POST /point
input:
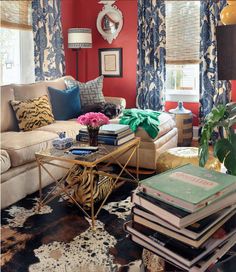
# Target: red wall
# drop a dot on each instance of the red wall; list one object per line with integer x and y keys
{"x": 69, "y": 16}
{"x": 83, "y": 13}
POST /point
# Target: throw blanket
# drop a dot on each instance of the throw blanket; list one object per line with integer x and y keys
{"x": 147, "y": 119}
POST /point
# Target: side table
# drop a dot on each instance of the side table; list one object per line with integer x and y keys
{"x": 184, "y": 123}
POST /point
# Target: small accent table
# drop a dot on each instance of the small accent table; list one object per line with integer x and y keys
{"x": 91, "y": 166}
{"x": 184, "y": 123}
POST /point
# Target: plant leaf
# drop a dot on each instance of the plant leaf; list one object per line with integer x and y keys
{"x": 217, "y": 113}
{"x": 203, "y": 154}
{"x": 230, "y": 163}
{"x": 226, "y": 153}
{"x": 233, "y": 139}
{"x": 221, "y": 148}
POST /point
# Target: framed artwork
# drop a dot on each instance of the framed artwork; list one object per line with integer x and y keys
{"x": 110, "y": 62}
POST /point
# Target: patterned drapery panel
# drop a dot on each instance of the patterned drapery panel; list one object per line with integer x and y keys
{"x": 49, "y": 54}
{"x": 151, "y": 54}
{"x": 212, "y": 90}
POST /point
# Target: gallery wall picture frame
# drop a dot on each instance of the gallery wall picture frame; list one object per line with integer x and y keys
{"x": 110, "y": 62}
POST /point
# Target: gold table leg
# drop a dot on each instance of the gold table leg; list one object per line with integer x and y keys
{"x": 91, "y": 177}
{"x": 40, "y": 185}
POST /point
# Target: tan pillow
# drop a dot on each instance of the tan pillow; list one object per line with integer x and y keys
{"x": 33, "y": 113}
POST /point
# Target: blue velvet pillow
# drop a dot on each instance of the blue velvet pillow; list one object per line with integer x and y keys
{"x": 65, "y": 104}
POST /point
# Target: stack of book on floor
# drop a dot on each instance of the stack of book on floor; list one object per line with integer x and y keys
{"x": 186, "y": 215}
{"x": 111, "y": 134}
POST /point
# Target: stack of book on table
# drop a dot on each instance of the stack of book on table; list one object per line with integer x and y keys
{"x": 186, "y": 215}
{"x": 111, "y": 134}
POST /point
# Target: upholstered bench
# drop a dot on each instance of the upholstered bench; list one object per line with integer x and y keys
{"x": 150, "y": 149}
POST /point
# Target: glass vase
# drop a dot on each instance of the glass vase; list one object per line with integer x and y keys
{"x": 93, "y": 136}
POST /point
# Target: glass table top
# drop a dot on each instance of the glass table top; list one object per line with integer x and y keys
{"x": 104, "y": 152}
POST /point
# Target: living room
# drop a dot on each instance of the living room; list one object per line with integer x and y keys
{"x": 165, "y": 69}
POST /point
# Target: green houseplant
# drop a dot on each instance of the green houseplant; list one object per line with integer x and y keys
{"x": 224, "y": 148}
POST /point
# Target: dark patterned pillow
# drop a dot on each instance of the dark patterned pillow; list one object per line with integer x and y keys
{"x": 90, "y": 92}
{"x": 109, "y": 109}
{"x": 33, "y": 113}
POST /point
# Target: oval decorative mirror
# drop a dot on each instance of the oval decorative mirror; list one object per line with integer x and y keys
{"x": 109, "y": 21}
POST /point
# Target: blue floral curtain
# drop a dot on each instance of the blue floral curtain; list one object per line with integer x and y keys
{"x": 49, "y": 54}
{"x": 151, "y": 69}
{"x": 212, "y": 90}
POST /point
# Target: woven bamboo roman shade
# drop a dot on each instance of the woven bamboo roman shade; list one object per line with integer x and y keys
{"x": 16, "y": 14}
{"x": 182, "y": 32}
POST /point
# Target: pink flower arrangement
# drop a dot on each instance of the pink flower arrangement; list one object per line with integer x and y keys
{"x": 93, "y": 119}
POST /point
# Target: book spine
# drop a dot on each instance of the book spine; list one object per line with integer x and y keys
{"x": 100, "y": 136}
{"x": 108, "y": 132}
{"x": 108, "y": 135}
{"x": 155, "y": 209}
{"x": 108, "y": 141}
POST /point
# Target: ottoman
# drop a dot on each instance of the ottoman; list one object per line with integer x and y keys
{"x": 178, "y": 156}
{"x": 150, "y": 149}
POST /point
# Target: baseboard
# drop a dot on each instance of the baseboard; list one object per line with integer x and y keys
{"x": 195, "y": 133}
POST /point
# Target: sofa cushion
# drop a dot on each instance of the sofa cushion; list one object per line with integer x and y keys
{"x": 15, "y": 171}
{"x": 5, "y": 161}
{"x": 8, "y": 118}
{"x": 167, "y": 123}
{"x": 21, "y": 146}
{"x": 71, "y": 127}
{"x": 90, "y": 92}
{"x": 30, "y": 91}
{"x": 65, "y": 104}
{"x": 33, "y": 113}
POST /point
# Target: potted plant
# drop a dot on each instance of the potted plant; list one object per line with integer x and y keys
{"x": 221, "y": 116}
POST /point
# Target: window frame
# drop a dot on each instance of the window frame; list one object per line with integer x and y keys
{"x": 26, "y": 68}
{"x": 178, "y": 94}
{"x": 183, "y": 95}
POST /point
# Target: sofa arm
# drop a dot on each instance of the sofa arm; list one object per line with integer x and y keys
{"x": 5, "y": 161}
{"x": 116, "y": 100}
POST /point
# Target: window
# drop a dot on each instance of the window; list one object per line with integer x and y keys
{"x": 182, "y": 50}
{"x": 16, "y": 43}
{"x": 16, "y": 56}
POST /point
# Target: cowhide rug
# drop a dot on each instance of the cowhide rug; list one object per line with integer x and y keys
{"x": 60, "y": 239}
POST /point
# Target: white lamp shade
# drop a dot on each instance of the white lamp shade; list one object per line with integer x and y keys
{"x": 79, "y": 38}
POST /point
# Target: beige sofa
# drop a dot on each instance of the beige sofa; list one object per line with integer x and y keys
{"x": 19, "y": 173}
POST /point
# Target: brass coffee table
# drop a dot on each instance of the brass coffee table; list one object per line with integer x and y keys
{"x": 92, "y": 164}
